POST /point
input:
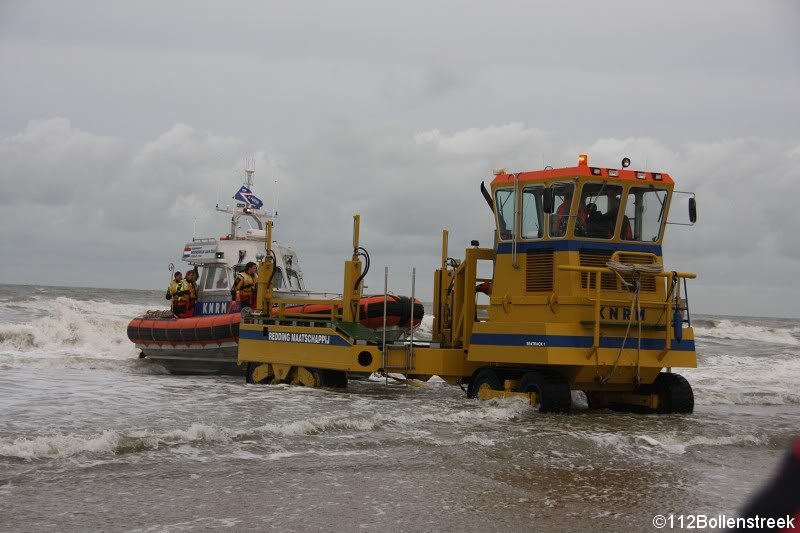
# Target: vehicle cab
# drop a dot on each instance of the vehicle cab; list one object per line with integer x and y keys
{"x": 580, "y": 216}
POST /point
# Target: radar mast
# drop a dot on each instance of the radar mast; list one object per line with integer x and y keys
{"x": 243, "y": 209}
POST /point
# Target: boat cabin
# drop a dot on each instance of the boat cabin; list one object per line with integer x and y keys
{"x": 219, "y": 260}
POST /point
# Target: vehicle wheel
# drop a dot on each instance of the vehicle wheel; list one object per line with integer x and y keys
{"x": 336, "y": 379}
{"x": 552, "y": 389}
{"x": 595, "y": 400}
{"x": 674, "y": 393}
{"x": 248, "y": 376}
{"x": 486, "y": 377}
{"x": 310, "y": 377}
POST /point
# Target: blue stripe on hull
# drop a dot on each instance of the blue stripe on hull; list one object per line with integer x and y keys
{"x": 574, "y": 341}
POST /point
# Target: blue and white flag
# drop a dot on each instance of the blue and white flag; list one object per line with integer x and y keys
{"x": 246, "y": 195}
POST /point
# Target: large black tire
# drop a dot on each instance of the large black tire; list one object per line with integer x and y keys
{"x": 674, "y": 393}
{"x": 335, "y": 379}
{"x": 594, "y": 400}
{"x": 552, "y": 389}
{"x": 485, "y": 376}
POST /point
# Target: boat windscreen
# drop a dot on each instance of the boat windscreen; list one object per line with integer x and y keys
{"x": 216, "y": 279}
{"x": 277, "y": 280}
{"x": 294, "y": 280}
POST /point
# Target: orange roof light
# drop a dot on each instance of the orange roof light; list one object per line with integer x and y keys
{"x": 583, "y": 160}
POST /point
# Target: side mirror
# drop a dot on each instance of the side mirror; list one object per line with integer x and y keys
{"x": 475, "y": 243}
{"x": 547, "y": 201}
{"x": 692, "y": 210}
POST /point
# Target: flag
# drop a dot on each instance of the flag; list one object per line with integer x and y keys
{"x": 246, "y": 195}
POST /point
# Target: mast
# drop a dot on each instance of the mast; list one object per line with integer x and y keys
{"x": 241, "y": 209}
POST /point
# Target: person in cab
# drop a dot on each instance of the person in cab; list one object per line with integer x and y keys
{"x": 560, "y": 218}
{"x": 244, "y": 286}
{"x": 611, "y": 216}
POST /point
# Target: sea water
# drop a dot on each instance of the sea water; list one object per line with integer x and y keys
{"x": 94, "y": 438}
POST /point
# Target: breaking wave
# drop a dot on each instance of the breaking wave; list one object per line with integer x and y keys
{"x": 740, "y": 330}
{"x": 112, "y": 442}
{"x": 69, "y": 333}
{"x": 109, "y": 442}
{"x": 746, "y": 380}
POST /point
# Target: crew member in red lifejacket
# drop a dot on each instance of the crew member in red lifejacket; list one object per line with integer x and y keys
{"x": 560, "y": 219}
{"x": 180, "y": 300}
{"x": 244, "y": 286}
{"x": 190, "y": 284}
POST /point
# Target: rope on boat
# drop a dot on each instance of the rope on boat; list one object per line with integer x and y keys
{"x": 150, "y": 315}
{"x": 635, "y": 271}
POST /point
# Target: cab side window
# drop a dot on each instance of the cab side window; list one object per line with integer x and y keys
{"x": 504, "y": 205}
{"x": 644, "y": 214}
{"x": 532, "y": 220}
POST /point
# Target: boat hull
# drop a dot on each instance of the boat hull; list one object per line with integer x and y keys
{"x": 217, "y": 360}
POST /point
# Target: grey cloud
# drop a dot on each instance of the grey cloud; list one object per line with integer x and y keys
{"x": 397, "y": 111}
{"x": 407, "y": 185}
{"x": 672, "y": 70}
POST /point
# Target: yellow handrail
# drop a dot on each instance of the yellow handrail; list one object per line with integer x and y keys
{"x": 598, "y": 272}
{"x": 301, "y": 301}
{"x": 606, "y": 270}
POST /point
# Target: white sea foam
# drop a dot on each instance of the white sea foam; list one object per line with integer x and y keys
{"x": 493, "y": 410}
{"x": 425, "y": 329}
{"x": 198, "y": 432}
{"x": 746, "y": 380}
{"x": 130, "y": 364}
{"x": 477, "y": 439}
{"x": 111, "y": 442}
{"x": 70, "y": 334}
{"x": 739, "y": 330}
{"x": 58, "y": 445}
{"x": 666, "y": 443}
{"x": 203, "y": 523}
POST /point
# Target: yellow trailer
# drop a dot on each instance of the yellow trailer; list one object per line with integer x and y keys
{"x": 578, "y": 299}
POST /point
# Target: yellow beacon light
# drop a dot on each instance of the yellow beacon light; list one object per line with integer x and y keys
{"x": 583, "y": 160}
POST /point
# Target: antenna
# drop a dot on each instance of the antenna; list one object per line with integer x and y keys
{"x": 249, "y": 169}
{"x": 274, "y": 191}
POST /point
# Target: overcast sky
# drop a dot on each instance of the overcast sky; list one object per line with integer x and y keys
{"x": 122, "y": 123}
